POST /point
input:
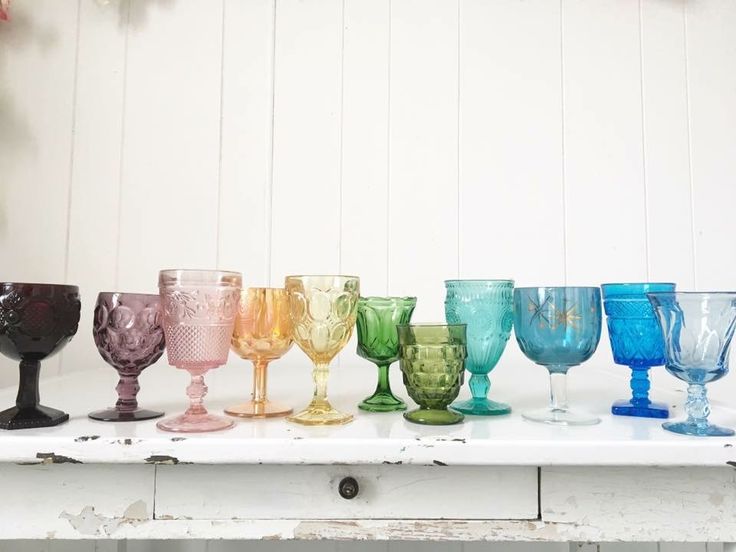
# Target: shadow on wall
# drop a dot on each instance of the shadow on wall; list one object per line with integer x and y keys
{"x": 16, "y": 139}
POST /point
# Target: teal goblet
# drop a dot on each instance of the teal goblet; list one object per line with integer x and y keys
{"x": 487, "y": 308}
{"x": 378, "y": 342}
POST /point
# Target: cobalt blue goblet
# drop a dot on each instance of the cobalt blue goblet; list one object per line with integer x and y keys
{"x": 636, "y": 342}
{"x": 558, "y": 327}
{"x": 697, "y": 330}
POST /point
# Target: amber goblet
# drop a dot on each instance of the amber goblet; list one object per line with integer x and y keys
{"x": 262, "y": 333}
{"x": 36, "y": 321}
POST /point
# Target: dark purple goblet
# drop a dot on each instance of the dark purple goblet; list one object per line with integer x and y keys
{"x": 129, "y": 336}
{"x": 36, "y": 321}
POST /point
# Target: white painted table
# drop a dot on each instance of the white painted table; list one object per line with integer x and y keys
{"x": 498, "y": 479}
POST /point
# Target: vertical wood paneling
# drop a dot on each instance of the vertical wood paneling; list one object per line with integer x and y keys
{"x": 666, "y": 149}
{"x": 247, "y": 116}
{"x": 511, "y": 189}
{"x": 305, "y": 225}
{"x": 365, "y": 153}
{"x": 169, "y": 198}
{"x": 604, "y": 184}
{"x": 37, "y": 67}
{"x": 423, "y": 169}
{"x": 93, "y": 218}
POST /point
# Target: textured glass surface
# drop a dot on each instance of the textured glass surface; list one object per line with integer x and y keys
{"x": 558, "y": 327}
{"x": 322, "y": 311}
{"x": 378, "y": 341}
{"x": 128, "y": 333}
{"x": 636, "y": 341}
{"x": 487, "y": 308}
{"x": 262, "y": 333}
{"x": 433, "y": 366}
{"x": 199, "y": 308}
{"x": 697, "y": 330}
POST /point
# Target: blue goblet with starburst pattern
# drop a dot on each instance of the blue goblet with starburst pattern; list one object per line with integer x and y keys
{"x": 558, "y": 327}
{"x": 636, "y": 342}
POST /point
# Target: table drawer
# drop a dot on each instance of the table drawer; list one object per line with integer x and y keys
{"x": 227, "y": 492}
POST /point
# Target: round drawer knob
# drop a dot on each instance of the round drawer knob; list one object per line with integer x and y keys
{"x": 348, "y": 488}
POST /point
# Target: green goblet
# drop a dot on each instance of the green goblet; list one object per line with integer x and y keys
{"x": 379, "y": 343}
{"x": 433, "y": 364}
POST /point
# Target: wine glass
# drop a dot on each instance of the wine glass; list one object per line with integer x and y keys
{"x": 697, "y": 330}
{"x": 558, "y": 327}
{"x": 262, "y": 333}
{"x": 128, "y": 333}
{"x": 433, "y": 365}
{"x": 322, "y": 310}
{"x": 36, "y": 322}
{"x": 199, "y": 309}
{"x": 487, "y": 307}
{"x": 636, "y": 342}
{"x": 378, "y": 342}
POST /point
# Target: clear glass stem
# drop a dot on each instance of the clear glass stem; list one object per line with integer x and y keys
{"x": 260, "y": 379}
{"x": 558, "y": 388}
{"x": 196, "y": 392}
{"x": 640, "y": 385}
{"x": 479, "y": 384}
{"x": 697, "y": 405}
{"x": 127, "y": 389}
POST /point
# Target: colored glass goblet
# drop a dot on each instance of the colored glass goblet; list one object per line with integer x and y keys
{"x": 199, "y": 308}
{"x": 558, "y": 327}
{"x": 36, "y": 321}
{"x": 128, "y": 333}
{"x": 487, "y": 308}
{"x": 322, "y": 311}
{"x": 433, "y": 364}
{"x": 636, "y": 342}
{"x": 697, "y": 330}
{"x": 262, "y": 333}
{"x": 378, "y": 342}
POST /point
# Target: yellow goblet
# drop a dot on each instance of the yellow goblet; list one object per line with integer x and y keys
{"x": 323, "y": 310}
{"x": 262, "y": 333}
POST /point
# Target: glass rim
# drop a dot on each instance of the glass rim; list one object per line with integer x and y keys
{"x": 40, "y": 284}
{"x": 529, "y": 288}
{"x": 693, "y": 293}
{"x": 431, "y": 325}
{"x": 101, "y": 293}
{"x": 626, "y": 284}
{"x": 263, "y": 288}
{"x": 455, "y": 281}
{"x": 388, "y": 298}
{"x": 298, "y": 276}
{"x": 225, "y": 278}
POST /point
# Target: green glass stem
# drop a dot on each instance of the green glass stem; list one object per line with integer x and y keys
{"x": 383, "y": 399}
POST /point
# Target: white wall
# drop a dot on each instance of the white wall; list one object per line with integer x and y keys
{"x": 406, "y": 141}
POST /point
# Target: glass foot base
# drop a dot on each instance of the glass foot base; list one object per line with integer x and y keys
{"x": 260, "y": 409}
{"x": 191, "y": 423}
{"x": 431, "y": 416}
{"x": 114, "y": 415}
{"x": 560, "y": 417}
{"x": 649, "y": 410}
{"x": 30, "y": 417}
{"x": 382, "y": 402}
{"x": 481, "y": 407}
{"x": 690, "y": 428}
{"x": 320, "y": 413}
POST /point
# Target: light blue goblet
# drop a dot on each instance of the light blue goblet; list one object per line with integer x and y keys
{"x": 558, "y": 327}
{"x": 697, "y": 330}
{"x": 487, "y": 308}
{"x": 636, "y": 342}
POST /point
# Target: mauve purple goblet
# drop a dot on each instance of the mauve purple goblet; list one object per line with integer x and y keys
{"x": 129, "y": 336}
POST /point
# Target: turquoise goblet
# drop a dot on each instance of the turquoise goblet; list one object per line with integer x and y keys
{"x": 487, "y": 308}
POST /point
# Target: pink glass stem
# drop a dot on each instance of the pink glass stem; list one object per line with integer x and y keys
{"x": 127, "y": 389}
{"x": 196, "y": 392}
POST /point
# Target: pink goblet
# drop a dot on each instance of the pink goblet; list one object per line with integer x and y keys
{"x": 199, "y": 308}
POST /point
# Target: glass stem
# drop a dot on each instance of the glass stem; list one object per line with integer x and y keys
{"x": 384, "y": 384}
{"x": 28, "y": 387}
{"x": 196, "y": 392}
{"x": 260, "y": 367}
{"x": 558, "y": 389}
{"x": 479, "y": 384}
{"x": 127, "y": 389}
{"x": 697, "y": 406}
{"x": 640, "y": 385}
{"x": 320, "y": 374}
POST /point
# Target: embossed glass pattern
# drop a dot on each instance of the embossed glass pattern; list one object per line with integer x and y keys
{"x": 487, "y": 308}
{"x": 432, "y": 359}
{"x": 128, "y": 333}
{"x": 558, "y": 327}
{"x": 199, "y": 308}
{"x": 262, "y": 333}
{"x": 378, "y": 342}
{"x": 322, "y": 311}
{"x": 36, "y": 322}
{"x": 697, "y": 330}
{"x": 636, "y": 342}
